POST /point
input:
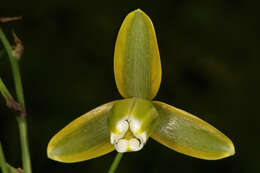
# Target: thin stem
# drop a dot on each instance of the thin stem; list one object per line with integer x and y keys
{"x": 20, "y": 97}
{"x": 11, "y": 169}
{"x": 15, "y": 68}
{"x": 115, "y": 163}
{"x": 24, "y": 145}
{"x": 4, "y": 91}
{"x": 2, "y": 160}
{"x": 5, "y": 167}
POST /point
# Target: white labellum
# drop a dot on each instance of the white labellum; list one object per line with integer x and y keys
{"x": 134, "y": 144}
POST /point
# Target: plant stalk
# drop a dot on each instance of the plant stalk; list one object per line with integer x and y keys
{"x": 20, "y": 98}
{"x": 5, "y": 167}
{"x": 115, "y": 163}
{"x": 3, "y": 164}
{"x": 4, "y": 91}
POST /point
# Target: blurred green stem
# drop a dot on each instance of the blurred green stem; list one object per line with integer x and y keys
{"x": 20, "y": 98}
{"x": 2, "y": 160}
{"x": 4, "y": 91}
{"x": 11, "y": 169}
{"x": 15, "y": 68}
{"x": 5, "y": 167}
{"x": 115, "y": 163}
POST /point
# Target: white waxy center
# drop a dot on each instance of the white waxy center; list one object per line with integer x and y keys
{"x": 135, "y": 124}
{"x": 122, "y": 126}
{"x": 133, "y": 144}
{"x": 122, "y": 145}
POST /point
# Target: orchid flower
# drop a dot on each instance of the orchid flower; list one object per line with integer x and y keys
{"x": 125, "y": 125}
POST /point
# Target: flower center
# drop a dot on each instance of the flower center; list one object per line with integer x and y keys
{"x": 131, "y": 122}
{"x": 129, "y": 136}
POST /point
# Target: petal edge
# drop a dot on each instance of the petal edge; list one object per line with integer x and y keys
{"x": 84, "y": 138}
{"x": 187, "y": 134}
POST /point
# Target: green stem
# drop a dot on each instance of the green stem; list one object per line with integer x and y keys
{"x": 24, "y": 145}
{"x": 15, "y": 68}
{"x": 5, "y": 167}
{"x": 4, "y": 91}
{"x": 11, "y": 169}
{"x": 2, "y": 160}
{"x": 20, "y": 97}
{"x": 115, "y": 163}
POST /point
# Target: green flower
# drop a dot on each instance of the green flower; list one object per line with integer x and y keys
{"x": 126, "y": 125}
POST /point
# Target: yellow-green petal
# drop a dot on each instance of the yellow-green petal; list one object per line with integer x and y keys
{"x": 187, "y": 134}
{"x": 137, "y": 64}
{"x": 84, "y": 138}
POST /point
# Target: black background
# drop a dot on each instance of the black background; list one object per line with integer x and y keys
{"x": 209, "y": 54}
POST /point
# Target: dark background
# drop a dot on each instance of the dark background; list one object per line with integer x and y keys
{"x": 209, "y": 54}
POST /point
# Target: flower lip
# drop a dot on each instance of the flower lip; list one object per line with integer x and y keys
{"x": 124, "y": 142}
{"x": 121, "y": 145}
{"x": 124, "y": 145}
{"x": 131, "y": 122}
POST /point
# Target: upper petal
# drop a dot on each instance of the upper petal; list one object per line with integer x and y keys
{"x": 187, "y": 134}
{"x": 84, "y": 138}
{"x": 137, "y": 64}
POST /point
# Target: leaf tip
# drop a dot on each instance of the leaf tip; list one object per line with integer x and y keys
{"x": 231, "y": 150}
{"x": 49, "y": 151}
{"x": 138, "y": 10}
{"x": 228, "y": 150}
{"x": 51, "y": 154}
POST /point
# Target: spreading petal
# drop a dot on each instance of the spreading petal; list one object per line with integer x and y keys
{"x": 137, "y": 62}
{"x": 187, "y": 134}
{"x": 85, "y": 138}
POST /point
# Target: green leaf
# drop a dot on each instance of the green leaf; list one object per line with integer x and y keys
{"x": 187, "y": 134}
{"x": 85, "y": 138}
{"x": 137, "y": 64}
